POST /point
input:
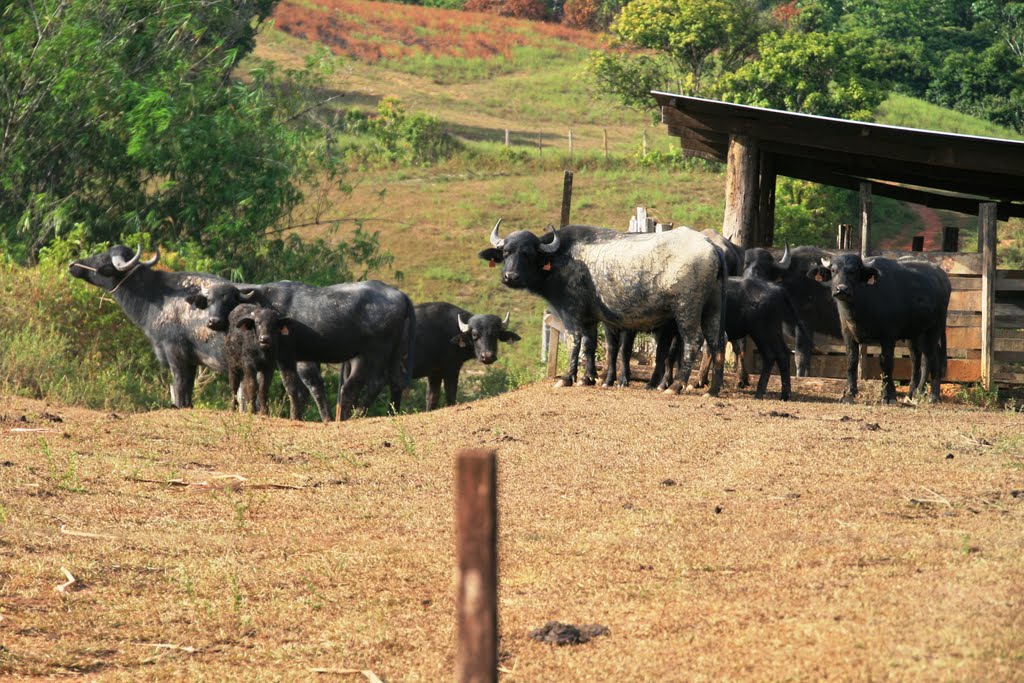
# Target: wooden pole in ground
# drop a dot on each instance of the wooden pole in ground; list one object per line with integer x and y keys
{"x": 566, "y": 198}
{"x": 476, "y": 581}
{"x": 570, "y": 144}
{"x": 506, "y": 137}
{"x": 844, "y": 237}
{"x": 605, "y": 136}
{"x": 865, "y": 220}
{"x": 917, "y": 243}
{"x": 742, "y": 197}
{"x": 987, "y": 244}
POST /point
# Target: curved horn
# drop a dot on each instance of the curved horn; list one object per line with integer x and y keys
{"x": 152, "y": 261}
{"x": 787, "y": 258}
{"x": 123, "y": 265}
{"x": 553, "y": 247}
{"x": 463, "y": 327}
{"x": 495, "y": 240}
{"x": 826, "y": 261}
{"x": 504, "y": 323}
{"x": 246, "y": 295}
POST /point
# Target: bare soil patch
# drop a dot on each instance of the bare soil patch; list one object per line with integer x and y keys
{"x": 802, "y": 540}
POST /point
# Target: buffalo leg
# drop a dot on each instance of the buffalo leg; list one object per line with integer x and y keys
{"x": 433, "y": 391}
{"x": 705, "y": 366}
{"x": 569, "y": 378}
{"x": 784, "y": 376}
{"x": 664, "y": 337}
{"x": 804, "y": 349}
{"x": 852, "y": 359}
{"x": 310, "y": 375}
{"x": 451, "y": 388}
{"x": 934, "y": 358}
{"x": 742, "y": 375}
{"x": 917, "y": 381}
{"x": 234, "y": 381}
{"x": 626, "y": 354}
{"x": 263, "y": 391}
{"x": 183, "y": 379}
{"x": 612, "y": 343}
{"x": 711, "y": 326}
{"x": 293, "y": 386}
{"x": 589, "y": 349}
{"x": 888, "y": 388}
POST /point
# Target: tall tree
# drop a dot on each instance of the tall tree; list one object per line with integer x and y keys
{"x": 125, "y": 115}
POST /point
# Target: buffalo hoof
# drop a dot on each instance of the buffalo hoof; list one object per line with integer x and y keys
{"x": 758, "y": 396}
{"x": 562, "y": 383}
{"x": 588, "y": 381}
{"x": 932, "y": 398}
{"x": 847, "y": 398}
{"x": 650, "y": 386}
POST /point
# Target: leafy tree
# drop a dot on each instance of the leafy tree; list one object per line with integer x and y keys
{"x": 1006, "y": 20}
{"x": 125, "y": 116}
{"x": 685, "y": 44}
{"x": 989, "y": 85}
{"x": 815, "y": 73}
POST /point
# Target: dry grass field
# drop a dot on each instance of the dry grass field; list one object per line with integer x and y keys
{"x": 717, "y": 538}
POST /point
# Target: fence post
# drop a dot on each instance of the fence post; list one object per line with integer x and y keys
{"x": 987, "y": 242}
{"x": 917, "y": 243}
{"x": 844, "y": 236}
{"x": 605, "y": 136}
{"x": 476, "y": 580}
{"x": 570, "y": 144}
{"x": 506, "y": 137}
{"x": 645, "y": 144}
{"x": 865, "y": 220}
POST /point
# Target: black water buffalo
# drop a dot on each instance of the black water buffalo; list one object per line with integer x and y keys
{"x": 632, "y": 281}
{"x": 758, "y": 309}
{"x": 252, "y": 348}
{"x": 370, "y": 325}
{"x": 734, "y": 253}
{"x": 881, "y": 300}
{"x": 813, "y": 302}
{"x": 446, "y": 337}
{"x": 155, "y": 302}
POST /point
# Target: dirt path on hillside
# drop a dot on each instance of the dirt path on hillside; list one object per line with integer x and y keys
{"x": 932, "y": 231}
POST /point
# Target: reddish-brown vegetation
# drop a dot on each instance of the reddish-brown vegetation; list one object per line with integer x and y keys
{"x": 372, "y": 31}
{"x": 522, "y": 9}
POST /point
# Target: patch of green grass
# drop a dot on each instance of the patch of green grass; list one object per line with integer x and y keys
{"x": 446, "y": 274}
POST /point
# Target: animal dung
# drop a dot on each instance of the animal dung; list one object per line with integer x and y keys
{"x": 557, "y": 633}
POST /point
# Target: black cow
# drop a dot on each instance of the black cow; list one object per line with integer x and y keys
{"x": 446, "y": 337}
{"x": 252, "y": 347}
{"x": 155, "y": 302}
{"x": 881, "y": 300}
{"x": 758, "y": 309}
{"x": 813, "y": 303}
{"x": 633, "y": 281}
{"x": 369, "y": 324}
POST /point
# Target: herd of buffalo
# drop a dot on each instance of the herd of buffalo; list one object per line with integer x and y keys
{"x": 691, "y": 289}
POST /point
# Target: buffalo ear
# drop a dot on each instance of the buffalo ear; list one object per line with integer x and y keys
{"x": 507, "y": 336}
{"x": 819, "y": 274}
{"x": 282, "y": 324}
{"x": 459, "y": 340}
{"x": 198, "y": 300}
{"x": 870, "y": 275}
{"x": 491, "y": 254}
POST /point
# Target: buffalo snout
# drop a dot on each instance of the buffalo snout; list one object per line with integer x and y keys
{"x": 216, "y": 324}
{"x": 488, "y": 357}
{"x": 841, "y": 292}
{"x": 510, "y": 278}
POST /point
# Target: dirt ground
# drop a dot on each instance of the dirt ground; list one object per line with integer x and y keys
{"x": 715, "y": 538}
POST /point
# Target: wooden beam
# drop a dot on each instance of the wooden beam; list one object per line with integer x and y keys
{"x": 987, "y": 244}
{"x": 476, "y": 581}
{"x": 741, "y": 191}
{"x": 566, "y": 198}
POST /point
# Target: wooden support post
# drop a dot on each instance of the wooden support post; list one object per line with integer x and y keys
{"x": 766, "y": 202}
{"x": 950, "y": 238}
{"x": 476, "y": 580}
{"x": 604, "y": 135}
{"x": 506, "y": 137}
{"x": 987, "y": 241}
{"x": 865, "y": 220}
{"x": 917, "y": 243}
{"x": 844, "y": 236}
{"x": 566, "y": 198}
{"x": 741, "y": 191}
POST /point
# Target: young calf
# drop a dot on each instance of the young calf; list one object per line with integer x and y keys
{"x": 252, "y": 346}
{"x": 446, "y": 337}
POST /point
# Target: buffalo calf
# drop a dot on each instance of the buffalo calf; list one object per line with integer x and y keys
{"x": 252, "y": 346}
{"x": 446, "y": 337}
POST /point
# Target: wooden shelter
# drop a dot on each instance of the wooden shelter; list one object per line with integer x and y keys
{"x": 962, "y": 173}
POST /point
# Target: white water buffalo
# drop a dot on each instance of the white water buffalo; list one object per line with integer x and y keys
{"x": 632, "y": 281}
